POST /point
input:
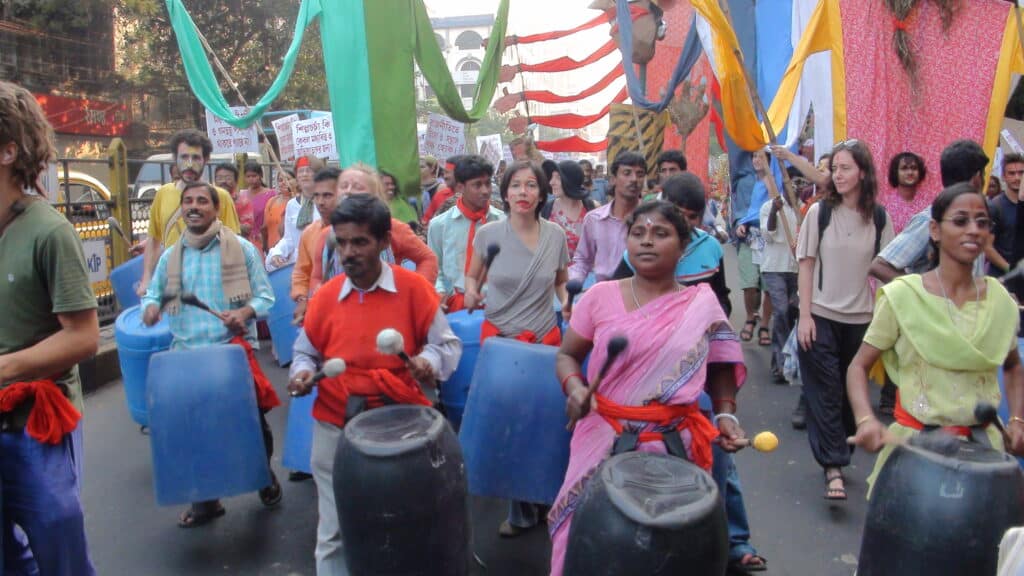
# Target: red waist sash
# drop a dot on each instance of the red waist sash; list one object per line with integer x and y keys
{"x": 266, "y": 396}
{"x": 552, "y": 338}
{"x": 702, "y": 431}
{"x": 377, "y": 383}
{"x": 52, "y": 415}
{"x": 904, "y": 418}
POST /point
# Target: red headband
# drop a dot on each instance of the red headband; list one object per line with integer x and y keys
{"x": 302, "y": 163}
{"x": 449, "y": 166}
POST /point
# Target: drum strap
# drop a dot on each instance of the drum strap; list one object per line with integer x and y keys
{"x": 974, "y": 433}
{"x": 671, "y": 418}
{"x": 356, "y": 405}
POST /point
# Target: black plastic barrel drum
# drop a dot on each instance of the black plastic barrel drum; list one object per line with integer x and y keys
{"x": 648, "y": 514}
{"x": 400, "y": 488}
{"x": 940, "y": 507}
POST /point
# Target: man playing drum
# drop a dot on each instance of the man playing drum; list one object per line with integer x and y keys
{"x": 225, "y": 272}
{"x": 343, "y": 320}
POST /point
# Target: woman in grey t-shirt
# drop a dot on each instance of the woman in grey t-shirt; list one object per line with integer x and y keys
{"x": 531, "y": 268}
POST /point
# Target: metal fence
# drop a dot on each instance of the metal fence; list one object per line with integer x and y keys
{"x": 89, "y": 192}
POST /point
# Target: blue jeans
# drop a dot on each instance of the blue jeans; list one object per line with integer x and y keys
{"x": 723, "y": 470}
{"x": 40, "y": 488}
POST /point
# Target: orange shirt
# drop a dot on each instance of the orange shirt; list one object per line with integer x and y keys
{"x": 273, "y": 219}
{"x": 405, "y": 245}
{"x": 348, "y": 330}
{"x": 310, "y": 240}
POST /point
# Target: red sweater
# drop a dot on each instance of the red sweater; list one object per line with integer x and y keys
{"x": 348, "y": 330}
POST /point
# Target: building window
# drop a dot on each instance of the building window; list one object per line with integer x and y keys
{"x": 469, "y": 40}
{"x": 467, "y": 90}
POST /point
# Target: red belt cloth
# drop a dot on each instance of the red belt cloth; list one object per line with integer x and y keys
{"x": 702, "y": 431}
{"x": 455, "y": 302}
{"x": 905, "y": 419}
{"x": 52, "y": 416}
{"x": 266, "y": 396}
{"x": 377, "y": 383}
{"x": 552, "y": 338}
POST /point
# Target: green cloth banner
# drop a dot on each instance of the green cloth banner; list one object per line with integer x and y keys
{"x": 374, "y": 113}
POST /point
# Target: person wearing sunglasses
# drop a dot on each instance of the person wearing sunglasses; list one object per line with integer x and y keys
{"x": 838, "y": 239}
{"x": 944, "y": 334}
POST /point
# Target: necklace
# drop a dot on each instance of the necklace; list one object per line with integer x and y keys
{"x": 636, "y": 301}
{"x": 949, "y": 302}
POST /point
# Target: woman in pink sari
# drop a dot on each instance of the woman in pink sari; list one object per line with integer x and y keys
{"x": 681, "y": 344}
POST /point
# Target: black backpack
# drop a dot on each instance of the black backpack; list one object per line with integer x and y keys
{"x": 825, "y": 218}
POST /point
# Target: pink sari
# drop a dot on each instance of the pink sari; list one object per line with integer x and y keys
{"x": 672, "y": 341}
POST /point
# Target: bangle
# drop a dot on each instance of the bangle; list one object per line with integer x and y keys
{"x": 1016, "y": 419}
{"x": 865, "y": 419}
{"x": 725, "y": 415}
{"x": 566, "y": 381}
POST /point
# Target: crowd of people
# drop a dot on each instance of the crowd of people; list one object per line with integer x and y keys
{"x": 649, "y": 253}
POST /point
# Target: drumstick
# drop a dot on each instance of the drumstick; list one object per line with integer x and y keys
{"x": 762, "y": 442}
{"x": 332, "y": 368}
{"x": 492, "y": 251}
{"x": 391, "y": 341}
{"x": 615, "y": 347}
{"x": 573, "y": 287}
{"x": 187, "y": 298}
{"x": 986, "y": 413}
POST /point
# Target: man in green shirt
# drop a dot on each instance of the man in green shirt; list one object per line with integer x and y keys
{"x": 49, "y": 324}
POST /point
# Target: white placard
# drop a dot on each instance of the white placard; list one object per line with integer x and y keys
{"x": 230, "y": 140}
{"x": 95, "y": 259}
{"x": 285, "y": 136}
{"x": 315, "y": 137}
{"x": 445, "y": 137}
{"x": 490, "y": 147}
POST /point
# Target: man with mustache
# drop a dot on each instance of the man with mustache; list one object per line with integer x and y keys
{"x": 603, "y": 239}
{"x": 342, "y": 321}
{"x": 225, "y": 271}
{"x": 191, "y": 150}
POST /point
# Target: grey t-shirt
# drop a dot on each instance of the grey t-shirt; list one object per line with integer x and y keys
{"x": 521, "y": 282}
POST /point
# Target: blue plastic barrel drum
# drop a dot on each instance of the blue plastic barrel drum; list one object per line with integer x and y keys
{"x": 125, "y": 279}
{"x": 282, "y": 332}
{"x": 136, "y": 343}
{"x": 455, "y": 390}
{"x": 205, "y": 432}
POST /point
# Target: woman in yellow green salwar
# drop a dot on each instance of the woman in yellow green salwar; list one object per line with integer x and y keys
{"x": 942, "y": 337}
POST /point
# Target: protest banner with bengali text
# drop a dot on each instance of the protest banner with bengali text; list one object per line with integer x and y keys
{"x": 490, "y": 147}
{"x": 283, "y": 129}
{"x": 227, "y": 139}
{"x": 444, "y": 138}
{"x": 315, "y": 137}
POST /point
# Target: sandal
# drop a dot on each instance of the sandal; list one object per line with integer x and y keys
{"x": 748, "y": 563}
{"x": 271, "y": 495}
{"x": 747, "y": 334}
{"x": 832, "y": 493}
{"x": 192, "y": 518}
{"x": 764, "y": 336}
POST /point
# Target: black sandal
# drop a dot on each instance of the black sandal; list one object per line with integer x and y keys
{"x": 271, "y": 495}
{"x": 835, "y": 493}
{"x": 193, "y": 518}
{"x": 748, "y": 563}
{"x": 764, "y": 336}
{"x": 747, "y": 334}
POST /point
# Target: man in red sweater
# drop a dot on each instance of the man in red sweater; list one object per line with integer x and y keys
{"x": 343, "y": 319}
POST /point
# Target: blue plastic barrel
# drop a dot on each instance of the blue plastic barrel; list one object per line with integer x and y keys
{"x": 455, "y": 390}
{"x": 282, "y": 332}
{"x": 298, "y": 438}
{"x": 125, "y": 279}
{"x": 136, "y": 342}
{"x": 204, "y": 425}
{"x": 513, "y": 432}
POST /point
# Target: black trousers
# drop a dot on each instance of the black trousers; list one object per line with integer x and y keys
{"x": 823, "y": 371}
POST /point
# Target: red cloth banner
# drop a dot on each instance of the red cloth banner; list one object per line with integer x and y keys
{"x": 509, "y": 100}
{"x": 84, "y": 116}
{"x": 563, "y": 64}
{"x": 572, "y": 144}
{"x": 554, "y": 35}
{"x": 576, "y": 121}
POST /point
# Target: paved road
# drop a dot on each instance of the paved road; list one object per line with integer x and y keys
{"x": 793, "y": 526}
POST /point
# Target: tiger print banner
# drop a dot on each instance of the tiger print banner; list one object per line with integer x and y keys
{"x": 622, "y": 133}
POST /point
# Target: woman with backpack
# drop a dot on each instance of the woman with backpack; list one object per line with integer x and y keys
{"x": 840, "y": 236}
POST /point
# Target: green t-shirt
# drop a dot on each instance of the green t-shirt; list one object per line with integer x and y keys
{"x": 42, "y": 274}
